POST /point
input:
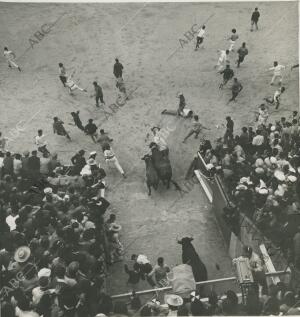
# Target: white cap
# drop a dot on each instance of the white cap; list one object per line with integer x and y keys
{"x": 44, "y": 272}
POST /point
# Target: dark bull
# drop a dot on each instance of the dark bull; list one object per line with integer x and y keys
{"x": 190, "y": 256}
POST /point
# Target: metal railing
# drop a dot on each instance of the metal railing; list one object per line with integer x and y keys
{"x": 209, "y": 282}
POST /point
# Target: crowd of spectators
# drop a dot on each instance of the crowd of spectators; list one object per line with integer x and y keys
{"x": 261, "y": 170}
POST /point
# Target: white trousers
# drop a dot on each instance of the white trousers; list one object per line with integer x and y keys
{"x": 279, "y": 77}
{"x": 232, "y": 43}
{"x": 115, "y": 161}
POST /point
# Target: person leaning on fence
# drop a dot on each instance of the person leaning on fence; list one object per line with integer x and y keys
{"x": 257, "y": 268}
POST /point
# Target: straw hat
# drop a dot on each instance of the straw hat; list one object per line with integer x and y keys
{"x": 115, "y": 227}
{"x": 48, "y": 190}
{"x": 292, "y": 178}
{"x": 279, "y": 175}
{"x": 93, "y": 153}
{"x": 44, "y": 272}
{"x": 91, "y": 161}
{"x": 22, "y": 254}
{"x": 174, "y": 300}
{"x": 259, "y": 162}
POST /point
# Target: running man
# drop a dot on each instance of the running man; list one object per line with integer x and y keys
{"x": 242, "y": 52}
{"x": 235, "y": 89}
{"x": 200, "y": 37}
{"x": 232, "y": 39}
{"x": 277, "y": 72}
{"x": 71, "y": 85}
{"x": 62, "y": 74}
{"x": 276, "y": 98}
{"x": 98, "y": 94}
{"x": 254, "y": 19}
{"x": 223, "y": 59}
{"x": 10, "y": 57}
{"x": 196, "y": 129}
{"x": 91, "y": 130}
{"x": 110, "y": 157}
{"x": 77, "y": 120}
{"x": 227, "y": 75}
{"x": 59, "y": 129}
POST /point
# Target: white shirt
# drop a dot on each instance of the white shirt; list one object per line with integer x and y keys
{"x": 40, "y": 140}
{"x": 9, "y": 55}
{"x": 223, "y": 56}
{"x": 201, "y": 33}
{"x": 258, "y": 140}
{"x": 11, "y": 221}
{"x": 277, "y": 69}
{"x": 160, "y": 142}
{"x": 277, "y": 95}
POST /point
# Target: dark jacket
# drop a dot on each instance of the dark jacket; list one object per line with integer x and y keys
{"x": 118, "y": 69}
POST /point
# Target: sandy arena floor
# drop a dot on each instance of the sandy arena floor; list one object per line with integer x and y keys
{"x": 87, "y": 38}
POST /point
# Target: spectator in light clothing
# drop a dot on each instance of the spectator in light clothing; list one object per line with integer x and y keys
{"x": 17, "y": 163}
{"x": 2, "y": 142}
{"x": 277, "y": 68}
{"x": 232, "y": 39}
{"x": 110, "y": 157}
{"x": 254, "y": 19}
{"x": 276, "y": 99}
{"x": 196, "y": 129}
{"x": 242, "y": 52}
{"x": 10, "y": 57}
{"x": 258, "y": 142}
{"x": 223, "y": 59}
{"x": 200, "y": 37}
{"x": 41, "y": 143}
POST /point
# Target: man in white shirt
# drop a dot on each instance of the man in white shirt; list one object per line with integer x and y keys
{"x": 232, "y": 39}
{"x": 200, "y": 37}
{"x": 41, "y": 142}
{"x": 277, "y": 72}
{"x": 223, "y": 59}
{"x": 10, "y": 57}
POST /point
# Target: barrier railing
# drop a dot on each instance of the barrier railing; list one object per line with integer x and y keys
{"x": 209, "y": 282}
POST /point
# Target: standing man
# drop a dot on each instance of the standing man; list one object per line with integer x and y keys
{"x": 91, "y": 129}
{"x": 276, "y": 99}
{"x": 104, "y": 139}
{"x": 235, "y": 89}
{"x": 41, "y": 143}
{"x": 10, "y": 57}
{"x": 277, "y": 72}
{"x": 34, "y": 165}
{"x": 223, "y": 59}
{"x": 77, "y": 120}
{"x": 3, "y": 142}
{"x": 79, "y": 162}
{"x": 98, "y": 94}
{"x": 200, "y": 37}
{"x": 229, "y": 129}
{"x": 62, "y": 74}
{"x": 242, "y": 52}
{"x": 232, "y": 39}
{"x": 59, "y": 128}
{"x": 118, "y": 69}
{"x": 254, "y": 19}
{"x": 227, "y": 75}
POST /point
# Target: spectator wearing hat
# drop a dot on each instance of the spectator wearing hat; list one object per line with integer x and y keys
{"x": 91, "y": 130}
{"x": 39, "y": 291}
{"x": 115, "y": 245}
{"x": 174, "y": 302}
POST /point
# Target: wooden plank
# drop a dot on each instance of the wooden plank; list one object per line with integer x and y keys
{"x": 268, "y": 263}
{"x": 205, "y": 188}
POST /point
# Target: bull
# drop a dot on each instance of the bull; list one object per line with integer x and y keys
{"x": 190, "y": 256}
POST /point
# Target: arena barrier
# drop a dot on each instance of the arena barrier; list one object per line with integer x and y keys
{"x": 249, "y": 234}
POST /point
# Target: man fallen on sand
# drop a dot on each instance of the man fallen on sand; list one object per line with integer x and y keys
{"x": 196, "y": 129}
{"x": 71, "y": 84}
{"x": 223, "y": 60}
{"x": 276, "y": 98}
{"x": 77, "y": 120}
{"x": 182, "y": 111}
{"x": 10, "y": 58}
{"x": 227, "y": 75}
{"x": 59, "y": 128}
